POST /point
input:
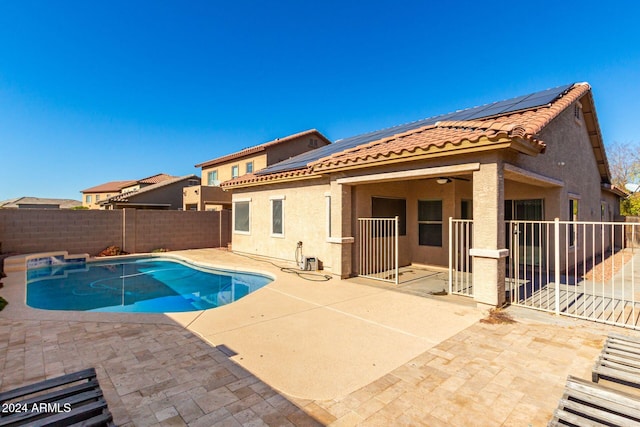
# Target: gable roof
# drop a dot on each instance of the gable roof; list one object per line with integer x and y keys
{"x": 117, "y": 186}
{"x": 154, "y": 179}
{"x": 125, "y": 197}
{"x": 505, "y": 124}
{"x": 109, "y": 187}
{"x": 262, "y": 147}
{"x": 523, "y": 125}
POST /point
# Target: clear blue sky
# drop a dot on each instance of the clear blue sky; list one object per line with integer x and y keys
{"x": 95, "y": 91}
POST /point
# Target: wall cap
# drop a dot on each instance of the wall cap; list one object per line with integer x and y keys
{"x": 489, "y": 253}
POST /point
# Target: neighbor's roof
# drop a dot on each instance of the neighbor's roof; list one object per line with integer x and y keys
{"x": 116, "y": 186}
{"x": 124, "y": 197}
{"x": 109, "y": 187}
{"x": 62, "y": 203}
{"x": 154, "y": 179}
{"x": 261, "y": 147}
{"x": 518, "y": 119}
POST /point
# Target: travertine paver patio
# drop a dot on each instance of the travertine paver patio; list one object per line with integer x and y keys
{"x": 506, "y": 374}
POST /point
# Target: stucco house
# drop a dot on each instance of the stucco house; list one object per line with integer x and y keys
{"x": 210, "y": 196}
{"x": 538, "y": 156}
{"x": 91, "y": 197}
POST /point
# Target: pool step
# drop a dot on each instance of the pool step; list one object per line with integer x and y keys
{"x": 20, "y": 262}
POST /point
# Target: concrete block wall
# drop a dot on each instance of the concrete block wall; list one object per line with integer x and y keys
{"x": 43, "y": 230}
{"x": 177, "y": 230}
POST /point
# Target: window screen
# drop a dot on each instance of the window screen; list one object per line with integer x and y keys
{"x": 276, "y": 217}
{"x": 241, "y": 216}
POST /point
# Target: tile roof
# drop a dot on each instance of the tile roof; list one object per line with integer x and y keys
{"x": 261, "y": 147}
{"x": 116, "y": 186}
{"x": 524, "y": 125}
{"x": 124, "y": 197}
{"x": 109, "y": 187}
{"x": 253, "y": 179}
{"x": 155, "y": 178}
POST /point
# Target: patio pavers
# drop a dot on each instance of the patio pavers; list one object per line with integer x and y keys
{"x": 165, "y": 375}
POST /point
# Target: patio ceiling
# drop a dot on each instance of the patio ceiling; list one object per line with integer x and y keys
{"x": 433, "y": 172}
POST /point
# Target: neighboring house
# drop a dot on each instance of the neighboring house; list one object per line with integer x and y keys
{"x": 166, "y": 194}
{"x": 209, "y": 195}
{"x": 539, "y": 156}
{"x": 91, "y": 197}
{"x": 39, "y": 203}
{"x": 94, "y": 195}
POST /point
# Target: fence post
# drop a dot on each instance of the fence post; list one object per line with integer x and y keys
{"x": 450, "y": 254}
{"x": 556, "y": 262}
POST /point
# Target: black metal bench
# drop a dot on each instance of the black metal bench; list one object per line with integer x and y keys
{"x": 619, "y": 361}
{"x": 588, "y": 404}
{"x": 70, "y": 400}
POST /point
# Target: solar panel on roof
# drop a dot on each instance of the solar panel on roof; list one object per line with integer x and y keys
{"x": 518, "y": 103}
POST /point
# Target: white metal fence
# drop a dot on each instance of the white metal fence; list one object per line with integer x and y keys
{"x": 580, "y": 269}
{"x": 378, "y": 248}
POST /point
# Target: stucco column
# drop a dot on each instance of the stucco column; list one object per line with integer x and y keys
{"x": 341, "y": 238}
{"x": 488, "y": 235}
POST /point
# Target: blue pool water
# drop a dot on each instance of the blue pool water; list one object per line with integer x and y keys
{"x": 143, "y": 285}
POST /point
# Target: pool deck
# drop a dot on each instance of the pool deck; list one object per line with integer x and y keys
{"x": 299, "y": 352}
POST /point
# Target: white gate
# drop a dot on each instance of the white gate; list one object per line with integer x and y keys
{"x": 460, "y": 237}
{"x": 378, "y": 248}
{"x": 578, "y": 269}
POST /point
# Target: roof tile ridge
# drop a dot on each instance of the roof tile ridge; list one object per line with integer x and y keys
{"x": 548, "y": 113}
{"x": 511, "y": 128}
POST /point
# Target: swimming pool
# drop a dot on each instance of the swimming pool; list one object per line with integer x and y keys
{"x": 136, "y": 285}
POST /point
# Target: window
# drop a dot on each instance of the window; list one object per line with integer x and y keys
{"x": 97, "y": 198}
{"x": 430, "y": 222}
{"x": 212, "y": 178}
{"x": 87, "y": 198}
{"x": 235, "y": 171}
{"x": 327, "y": 204}
{"x": 249, "y": 167}
{"x": 242, "y": 216}
{"x": 573, "y": 216}
{"x": 383, "y": 207}
{"x": 277, "y": 216}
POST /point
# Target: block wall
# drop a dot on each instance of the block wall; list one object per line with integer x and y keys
{"x": 81, "y": 231}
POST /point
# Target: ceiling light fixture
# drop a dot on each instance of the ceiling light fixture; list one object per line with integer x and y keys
{"x": 443, "y": 181}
